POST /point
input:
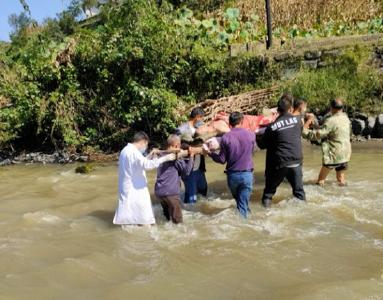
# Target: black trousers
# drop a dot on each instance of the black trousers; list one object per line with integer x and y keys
{"x": 274, "y": 177}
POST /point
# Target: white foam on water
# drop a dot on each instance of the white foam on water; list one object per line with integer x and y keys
{"x": 12, "y": 276}
{"x": 217, "y": 202}
{"x": 42, "y": 217}
{"x": 133, "y": 229}
{"x": 224, "y": 225}
{"x": 51, "y": 179}
{"x": 224, "y": 232}
{"x": 378, "y": 243}
{"x": 328, "y": 211}
{"x": 362, "y": 184}
{"x": 312, "y": 233}
{"x": 363, "y": 220}
{"x": 214, "y": 218}
{"x": 310, "y": 174}
{"x": 275, "y": 228}
{"x": 68, "y": 173}
{"x": 4, "y": 246}
{"x": 279, "y": 222}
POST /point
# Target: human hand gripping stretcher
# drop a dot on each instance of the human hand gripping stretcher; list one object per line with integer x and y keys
{"x": 174, "y": 154}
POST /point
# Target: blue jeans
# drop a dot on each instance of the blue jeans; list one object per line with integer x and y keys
{"x": 195, "y": 184}
{"x": 241, "y": 187}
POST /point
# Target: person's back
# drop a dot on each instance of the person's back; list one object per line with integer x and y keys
{"x": 127, "y": 167}
{"x": 335, "y": 138}
{"x": 337, "y": 145}
{"x": 169, "y": 175}
{"x": 283, "y": 141}
{"x": 238, "y": 145}
{"x": 236, "y": 150}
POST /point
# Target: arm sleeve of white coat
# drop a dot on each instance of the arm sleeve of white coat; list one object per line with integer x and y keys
{"x": 150, "y": 164}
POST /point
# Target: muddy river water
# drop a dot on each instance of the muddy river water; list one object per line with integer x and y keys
{"x": 57, "y": 240}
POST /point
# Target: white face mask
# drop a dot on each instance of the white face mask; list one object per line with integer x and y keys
{"x": 197, "y": 124}
{"x": 143, "y": 149}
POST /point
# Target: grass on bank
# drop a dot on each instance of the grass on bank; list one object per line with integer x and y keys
{"x": 351, "y": 76}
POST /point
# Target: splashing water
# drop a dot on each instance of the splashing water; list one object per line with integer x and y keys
{"x": 57, "y": 240}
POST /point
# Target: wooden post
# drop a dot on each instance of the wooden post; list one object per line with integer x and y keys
{"x": 269, "y": 41}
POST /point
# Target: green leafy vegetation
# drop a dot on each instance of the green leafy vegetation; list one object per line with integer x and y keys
{"x": 349, "y": 76}
{"x": 305, "y": 14}
{"x": 67, "y": 85}
{"x": 234, "y": 27}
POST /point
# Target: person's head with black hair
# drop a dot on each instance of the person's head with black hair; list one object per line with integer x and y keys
{"x": 285, "y": 103}
{"x": 336, "y": 105}
{"x": 299, "y": 106}
{"x": 235, "y": 119}
{"x": 141, "y": 141}
{"x": 196, "y": 115}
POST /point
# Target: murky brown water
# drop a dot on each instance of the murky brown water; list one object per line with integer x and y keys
{"x": 57, "y": 240}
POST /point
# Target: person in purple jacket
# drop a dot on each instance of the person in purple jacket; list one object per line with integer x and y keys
{"x": 236, "y": 150}
{"x": 168, "y": 183}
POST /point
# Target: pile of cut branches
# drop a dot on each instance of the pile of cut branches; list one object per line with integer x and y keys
{"x": 252, "y": 102}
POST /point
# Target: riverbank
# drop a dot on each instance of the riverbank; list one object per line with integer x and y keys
{"x": 365, "y": 128}
{"x": 62, "y": 157}
{"x": 57, "y": 157}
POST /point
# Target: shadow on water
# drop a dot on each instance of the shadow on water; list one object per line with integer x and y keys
{"x": 105, "y": 216}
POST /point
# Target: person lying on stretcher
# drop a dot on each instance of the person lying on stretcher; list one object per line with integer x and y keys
{"x": 220, "y": 124}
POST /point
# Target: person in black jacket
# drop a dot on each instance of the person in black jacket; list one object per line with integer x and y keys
{"x": 282, "y": 139}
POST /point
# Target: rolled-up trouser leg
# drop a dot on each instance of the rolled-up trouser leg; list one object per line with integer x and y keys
{"x": 295, "y": 178}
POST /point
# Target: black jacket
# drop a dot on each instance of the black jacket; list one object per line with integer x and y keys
{"x": 282, "y": 139}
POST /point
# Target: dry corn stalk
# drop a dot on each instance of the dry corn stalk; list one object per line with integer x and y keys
{"x": 307, "y": 13}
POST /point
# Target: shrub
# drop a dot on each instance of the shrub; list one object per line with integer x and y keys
{"x": 350, "y": 77}
{"x": 69, "y": 86}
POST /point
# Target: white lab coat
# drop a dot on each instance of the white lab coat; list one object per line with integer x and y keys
{"x": 134, "y": 204}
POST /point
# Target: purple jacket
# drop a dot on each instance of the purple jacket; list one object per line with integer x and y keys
{"x": 169, "y": 175}
{"x": 237, "y": 147}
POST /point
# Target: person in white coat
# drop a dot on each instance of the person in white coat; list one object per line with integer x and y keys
{"x": 134, "y": 204}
